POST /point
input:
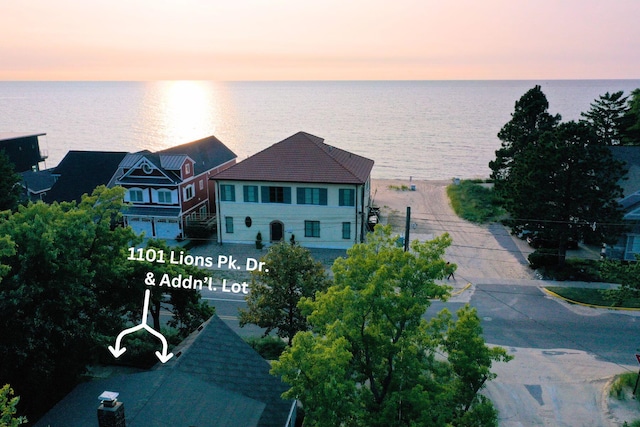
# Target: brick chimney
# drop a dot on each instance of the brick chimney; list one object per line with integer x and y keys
{"x": 110, "y": 411}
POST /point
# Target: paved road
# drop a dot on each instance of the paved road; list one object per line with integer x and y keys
{"x": 517, "y": 316}
{"x": 564, "y": 356}
{"x": 524, "y": 316}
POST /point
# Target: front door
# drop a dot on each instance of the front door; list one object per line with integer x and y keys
{"x": 277, "y": 229}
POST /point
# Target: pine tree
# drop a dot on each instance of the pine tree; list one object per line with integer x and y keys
{"x": 605, "y": 117}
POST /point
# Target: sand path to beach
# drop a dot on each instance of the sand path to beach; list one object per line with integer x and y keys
{"x": 479, "y": 251}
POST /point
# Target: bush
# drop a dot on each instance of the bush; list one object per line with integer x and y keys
{"x": 583, "y": 270}
{"x": 543, "y": 258}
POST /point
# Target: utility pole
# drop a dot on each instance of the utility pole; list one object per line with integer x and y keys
{"x": 406, "y": 229}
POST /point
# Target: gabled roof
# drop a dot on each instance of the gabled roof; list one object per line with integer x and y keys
{"x": 134, "y": 161}
{"x": 207, "y": 153}
{"x": 215, "y": 379}
{"x": 38, "y": 181}
{"x": 81, "y": 172}
{"x": 301, "y": 157}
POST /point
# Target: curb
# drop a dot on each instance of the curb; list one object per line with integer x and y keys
{"x": 456, "y": 293}
{"x": 553, "y": 294}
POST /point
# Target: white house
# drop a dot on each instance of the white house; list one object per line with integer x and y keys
{"x": 298, "y": 187}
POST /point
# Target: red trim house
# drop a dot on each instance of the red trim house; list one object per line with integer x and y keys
{"x": 169, "y": 191}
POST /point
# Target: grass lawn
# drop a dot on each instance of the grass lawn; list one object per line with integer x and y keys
{"x": 473, "y": 202}
{"x": 591, "y": 296}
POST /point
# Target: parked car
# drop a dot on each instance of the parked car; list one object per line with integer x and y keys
{"x": 536, "y": 241}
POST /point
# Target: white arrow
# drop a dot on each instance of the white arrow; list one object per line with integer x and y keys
{"x": 117, "y": 351}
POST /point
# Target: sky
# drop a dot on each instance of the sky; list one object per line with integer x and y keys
{"x": 319, "y": 40}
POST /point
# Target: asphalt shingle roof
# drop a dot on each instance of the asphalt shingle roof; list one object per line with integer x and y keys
{"x": 214, "y": 379}
{"x": 301, "y": 157}
{"x": 81, "y": 172}
{"x": 207, "y": 153}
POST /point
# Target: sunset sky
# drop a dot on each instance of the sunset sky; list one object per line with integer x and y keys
{"x": 319, "y": 40}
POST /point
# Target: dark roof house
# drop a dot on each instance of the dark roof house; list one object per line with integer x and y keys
{"x": 23, "y": 149}
{"x": 80, "y": 172}
{"x": 36, "y": 184}
{"x": 214, "y": 379}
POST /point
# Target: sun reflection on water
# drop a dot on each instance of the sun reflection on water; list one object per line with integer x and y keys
{"x": 187, "y": 111}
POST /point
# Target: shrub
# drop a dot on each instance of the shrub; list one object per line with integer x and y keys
{"x": 543, "y": 258}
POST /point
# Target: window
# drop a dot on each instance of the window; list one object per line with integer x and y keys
{"x": 312, "y": 196}
{"x": 135, "y": 195}
{"x": 347, "y": 197}
{"x": 312, "y": 229}
{"x": 203, "y": 212}
{"x": 164, "y": 196}
{"x": 250, "y": 193}
{"x": 188, "y": 192}
{"x": 228, "y": 224}
{"x": 187, "y": 168}
{"x": 276, "y": 194}
{"x": 346, "y": 230}
{"x": 202, "y": 184}
{"x": 228, "y": 193}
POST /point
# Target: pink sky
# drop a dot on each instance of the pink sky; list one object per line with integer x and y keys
{"x": 319, "y": 40}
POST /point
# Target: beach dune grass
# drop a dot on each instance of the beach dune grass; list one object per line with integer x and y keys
{"x": 474, "y": 202}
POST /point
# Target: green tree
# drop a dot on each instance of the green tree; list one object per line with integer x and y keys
{"x": 185, "y": 305}
{"x": 566, "y": 187}
{"x": 630, "y": 122}
{"x": 54, "y": 297}
{"x": 67, "y": 289}
{"x": 605, "y": 117}
{"x": 10, "y": 188}
{"x": 370, "y": 358}
{"x": 290, "y": 274}
{"x": 529, "y": 121}
{"x": 8, "y": 409}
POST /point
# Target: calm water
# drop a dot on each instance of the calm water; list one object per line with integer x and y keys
{"x": 424, "y": 129}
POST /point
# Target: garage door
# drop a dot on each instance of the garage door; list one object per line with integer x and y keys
{"x": 167, "y": 228}
{"x": 141, "y": 225}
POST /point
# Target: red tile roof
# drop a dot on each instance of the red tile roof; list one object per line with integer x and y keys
{"x": 301, "y": 157}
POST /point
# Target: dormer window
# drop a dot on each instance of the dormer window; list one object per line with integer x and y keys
{"x": 164, "y": 196}
{"x": 135, "y": 195}
{"x": 187, "y": 168}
